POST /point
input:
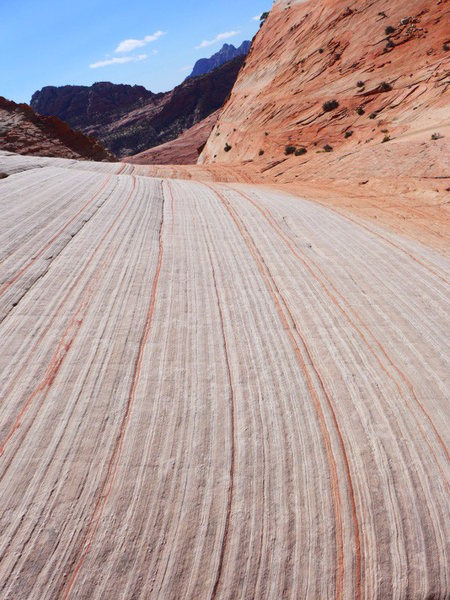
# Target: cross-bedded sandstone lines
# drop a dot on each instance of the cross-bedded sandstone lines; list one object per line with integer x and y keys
{"x": 216, "y": 391}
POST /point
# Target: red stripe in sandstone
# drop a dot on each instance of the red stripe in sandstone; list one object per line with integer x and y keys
{"x": 325, "y": 433}
{"x": 233, "y": 435}
{"x": 107, "y": 485}
{"x": 58, "y": 358}
{"x": 272, "y": 222}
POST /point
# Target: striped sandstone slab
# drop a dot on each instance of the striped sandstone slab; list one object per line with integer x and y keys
{"x": 216, "y": 391}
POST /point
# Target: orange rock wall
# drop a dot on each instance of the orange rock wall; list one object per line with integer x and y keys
{"x": 308, "y": 53}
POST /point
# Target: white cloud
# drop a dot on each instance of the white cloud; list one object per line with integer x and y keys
{"x": 257, "y": 18}
{"x": 218, "y": 38}
{"x": 117, "y": 61}
{"x": 131, "y": 44}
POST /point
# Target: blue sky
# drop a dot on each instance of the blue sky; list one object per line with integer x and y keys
{"x": 59, "y": 42}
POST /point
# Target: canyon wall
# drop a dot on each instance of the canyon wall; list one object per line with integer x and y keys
{"x": 339, "y": 89}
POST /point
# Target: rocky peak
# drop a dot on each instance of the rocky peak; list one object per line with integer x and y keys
{"x": 225, "y": 54}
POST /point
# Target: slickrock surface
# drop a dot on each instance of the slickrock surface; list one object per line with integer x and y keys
{"x": 25, "y": 132}
{"x": 417, "y": 208}
{"x": 389, "y": 61}
{"x": 215, "y": 390}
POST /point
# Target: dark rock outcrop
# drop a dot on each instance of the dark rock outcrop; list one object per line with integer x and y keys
{"x": 24, "y": 132}
{"x": 226, "y": 53}
{"x": 82, "y": 106}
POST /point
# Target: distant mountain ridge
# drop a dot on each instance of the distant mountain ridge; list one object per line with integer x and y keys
{"x": 225, "y": 54}
{"x": 81, "y": 105}
{"x": 131, "y": 119}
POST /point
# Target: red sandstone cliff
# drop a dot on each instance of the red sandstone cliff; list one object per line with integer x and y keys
{"x": 386, "y": 66}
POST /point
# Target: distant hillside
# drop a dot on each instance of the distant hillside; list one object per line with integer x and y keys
{"x": 184, "y": 150}
{"x": 226, "y": 53}
{"x": 82, "y": 106}
{"x": 130, "y": 119}
{"x": 24, "y": 132}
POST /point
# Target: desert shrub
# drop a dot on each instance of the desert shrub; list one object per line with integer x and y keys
{"x": 385, "y": 86}
{"x": 320, "y": 50}
{"x": 266, "y": 133}
{"x": 328, "y": 148}
{"x": 261, "y": 152}
{"x": 373, "y": 115}
{"x": 330, "y": 105}
{"x": 385, "y": 139}
{"x": 445, "y": 46}
{"x": 389, "y": 29}
{"x": 390, "y": 44}
{"x": 348, "y": 134}
{"x": 227, "y": 147}
{"x": 289, "y": 150}
{"x": 262, "y": 18}
{"x": 300, "y": 151}
{"x": 360, "y": 84}
{"x": 360, "y": 111}
{"x": 436, "y": 136}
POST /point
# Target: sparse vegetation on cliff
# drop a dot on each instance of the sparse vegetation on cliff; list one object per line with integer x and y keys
{"x": 385, "y": 86}
{"x": 262, "y": 18}
{"x": 330, "y": 105}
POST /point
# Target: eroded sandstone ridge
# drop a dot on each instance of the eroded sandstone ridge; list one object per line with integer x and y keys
{"x": 333, "y": 89}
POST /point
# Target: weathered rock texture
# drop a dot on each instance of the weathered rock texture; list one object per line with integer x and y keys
{"x": 216, "y": 391}
{"x": 25, "y": 132}
{"x": 130, "y": 119}
{"x": 310, "y": 53}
